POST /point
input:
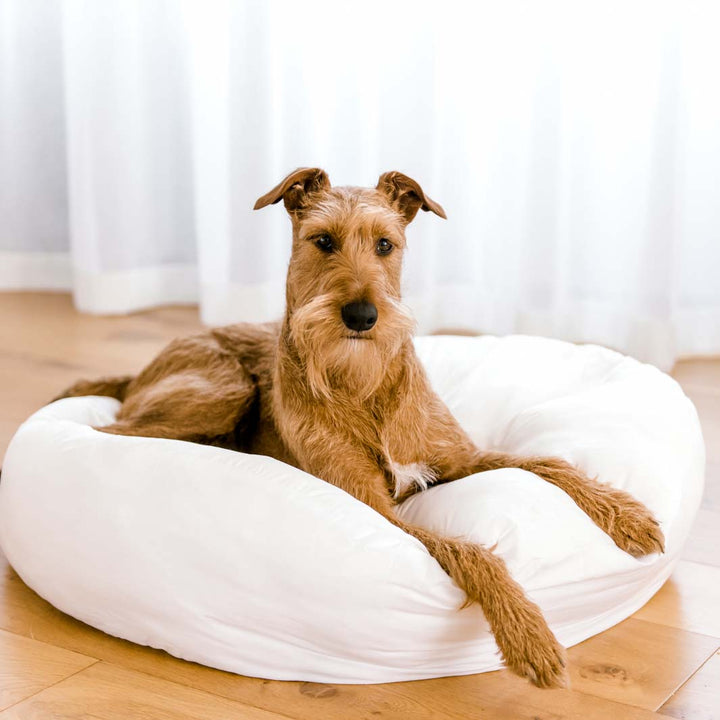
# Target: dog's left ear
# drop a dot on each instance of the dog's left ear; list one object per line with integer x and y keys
{"x": 406, "y": 196}
{"x": 295, "y": 189}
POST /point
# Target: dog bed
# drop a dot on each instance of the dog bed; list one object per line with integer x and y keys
{"x": 246, "y": 564}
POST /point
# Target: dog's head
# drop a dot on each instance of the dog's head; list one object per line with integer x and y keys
{"x": 344, "y": 310}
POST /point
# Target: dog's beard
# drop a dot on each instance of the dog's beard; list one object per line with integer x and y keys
{"x": 335, "y": 358}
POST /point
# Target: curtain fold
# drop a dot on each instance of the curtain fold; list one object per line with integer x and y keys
{"x": 575, "y": 147}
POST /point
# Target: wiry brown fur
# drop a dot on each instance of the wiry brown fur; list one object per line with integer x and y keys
{"x": 351, "y": 406}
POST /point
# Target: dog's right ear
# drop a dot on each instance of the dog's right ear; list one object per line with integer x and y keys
{"x": 295, "y": 189}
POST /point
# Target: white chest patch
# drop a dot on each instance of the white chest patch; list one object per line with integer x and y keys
{"x": 411, "y": 474}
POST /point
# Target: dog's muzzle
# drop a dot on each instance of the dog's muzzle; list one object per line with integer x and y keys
{"x": 359, "y": 316}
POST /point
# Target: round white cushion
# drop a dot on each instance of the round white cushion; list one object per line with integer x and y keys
{"x": 246, "y": 564}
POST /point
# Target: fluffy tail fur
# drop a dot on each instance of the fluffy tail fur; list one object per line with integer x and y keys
{"x": 114, "y": 387}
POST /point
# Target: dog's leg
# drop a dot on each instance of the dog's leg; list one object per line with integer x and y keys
{"x": 527, "y": 644}
{"x": 185, "y": 406}
{"x": 192, "y": 392}
{"x": 628, "y": 522}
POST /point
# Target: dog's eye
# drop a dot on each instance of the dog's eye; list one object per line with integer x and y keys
{"x": 383, "y": 247}
{"x": 325, "y": 243}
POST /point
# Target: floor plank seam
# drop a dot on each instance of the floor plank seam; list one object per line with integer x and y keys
{"x": 684, "y": 629}
{"x": 32, "y": 637}
{"x": 51, "y": 685}
{"x": 689, "y": 677}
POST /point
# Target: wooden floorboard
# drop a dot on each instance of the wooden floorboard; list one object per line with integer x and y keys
{"x": 109, "y": 692}
{"x": 703, "y": 545}
{"x": 28, "y": 666}
{"x": 690, "y": 600}
{"x": 699, "y": 698}
{"x": 52, "y": 666}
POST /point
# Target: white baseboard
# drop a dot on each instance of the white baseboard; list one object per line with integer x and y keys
{"x": 35, "y": 271}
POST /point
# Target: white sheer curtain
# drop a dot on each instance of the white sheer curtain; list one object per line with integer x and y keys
{"x": 574, "y": 146}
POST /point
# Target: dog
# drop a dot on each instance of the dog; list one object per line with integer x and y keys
{"x": 337, "y": 390}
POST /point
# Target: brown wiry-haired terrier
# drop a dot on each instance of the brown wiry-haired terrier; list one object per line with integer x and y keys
{"x": 337, "y": 390}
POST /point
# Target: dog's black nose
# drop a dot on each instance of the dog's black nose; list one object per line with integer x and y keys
{"x": 359, "y": 316}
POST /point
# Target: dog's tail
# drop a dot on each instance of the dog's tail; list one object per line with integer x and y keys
{"x": 526, "y": 642}
{"x": 114, "y": 387}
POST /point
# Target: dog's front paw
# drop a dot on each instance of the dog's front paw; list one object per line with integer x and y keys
{"x": 532, "y": 651}
{"x": 545, "y": 667}
{"x": 634, "y": 529}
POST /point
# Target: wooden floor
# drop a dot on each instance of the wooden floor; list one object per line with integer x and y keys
{"x": 662, "y": 662}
